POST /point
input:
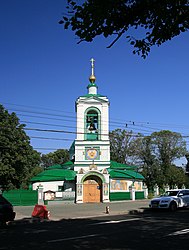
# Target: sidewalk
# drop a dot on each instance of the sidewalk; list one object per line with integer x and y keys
{"x": 86, "y": 210}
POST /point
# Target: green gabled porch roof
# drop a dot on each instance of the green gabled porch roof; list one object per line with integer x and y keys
{"x": 124, "y": 174}
{"x": 55, "y": 175}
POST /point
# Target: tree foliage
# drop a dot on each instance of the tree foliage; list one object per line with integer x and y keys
{"x": 176, "y": 176}
{"x": 121, "y": 146}
{"x": 150, "y": 167}
{"x": 156, "y": 21}
{"x": 187, "y": 164}
{"x": 17, "y": 157}
{"x": 60, "y": 156}
{"x": 156, "y": 155}
{"x": 166, "y": 147}
{"x": 169, "y": 146}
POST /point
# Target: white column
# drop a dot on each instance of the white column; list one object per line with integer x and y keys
{"x": 105, "y": 192}
{"x": 156, "y": 190}
{"x": 166, "y": 187}
{"x": 40, "y": 195}
{"x": 145, "y": 189}
{"x": 132, "y": 192}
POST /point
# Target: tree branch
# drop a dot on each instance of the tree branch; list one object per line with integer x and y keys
{"x": 117, "y": 38}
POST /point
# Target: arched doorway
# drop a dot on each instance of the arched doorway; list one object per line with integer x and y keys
{"x": 92, "y": 189}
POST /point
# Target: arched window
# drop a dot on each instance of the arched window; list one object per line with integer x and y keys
{"x": 92, "y": 125}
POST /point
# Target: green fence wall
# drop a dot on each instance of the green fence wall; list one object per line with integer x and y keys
{"x": 21, "y": 197}
{"x": 139, "y": 195}
{"x": 118, "y": 196}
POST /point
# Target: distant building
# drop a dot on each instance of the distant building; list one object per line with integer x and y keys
{"x": 91, "y": 176}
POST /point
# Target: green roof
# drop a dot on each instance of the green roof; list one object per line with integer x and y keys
{"x": 122, "y": 174}
{"x": 92, "y": 84}
{"x": 113, "y": 165}
{"x": 116, "y": 165}
{"x": 66, "y": 165}
{"x": 62, "y": 172}
{"x": 55, "y": 175}
{"x": 56, "y": 166}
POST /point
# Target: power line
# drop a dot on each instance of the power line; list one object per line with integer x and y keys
{"x": 50, "y": 138}
{"x": 71, "y": 132}
{"x": 42, "y": 117}
{"x": 35, "y": 107}
{"x": 59, "y": 119}
{"x": 122, "y": 122}
{"x": 128, "y": 124}
{"x": 46, "y": 148}
{"x": 48, "y": 124}
{"x": 41, "y": 113}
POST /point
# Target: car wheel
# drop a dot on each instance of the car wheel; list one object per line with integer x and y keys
{"x": 173, "y": 206}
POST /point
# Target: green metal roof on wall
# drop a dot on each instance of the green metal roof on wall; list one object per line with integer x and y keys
{"x": 55, "y": 175}
{"x": 66, "y": 165}
{"x": 117, "y": 165}
{"x": 113, "y": 165}
{"x": 56, "y": 166}
{"x": 125, "y": 174}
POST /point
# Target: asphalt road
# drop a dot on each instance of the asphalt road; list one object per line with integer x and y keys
{"x": 72, "y": 210}
{"x": 145, "y": 230}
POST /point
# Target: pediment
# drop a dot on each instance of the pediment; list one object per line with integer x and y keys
{"x": 93, "y": 99}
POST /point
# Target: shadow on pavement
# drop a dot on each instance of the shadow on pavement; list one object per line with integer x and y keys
{"x": 138, "y": 229}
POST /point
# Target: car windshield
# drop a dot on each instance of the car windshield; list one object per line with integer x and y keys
{"x": 171, "y": 193}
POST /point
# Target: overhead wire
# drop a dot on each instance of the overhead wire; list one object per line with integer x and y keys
{"x": 134, "y": 126}
{"x": 115, "y": 122}
{"x": 120, "y": 124}
{"x": 50, "y": 138}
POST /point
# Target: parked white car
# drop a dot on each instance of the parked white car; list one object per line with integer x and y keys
{"x": 171, "y": 199}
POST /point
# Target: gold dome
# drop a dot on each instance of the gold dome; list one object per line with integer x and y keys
{"x": 92, "y": 78}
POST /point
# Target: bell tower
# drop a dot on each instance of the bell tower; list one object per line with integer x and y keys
{"x": 92, "y": 146}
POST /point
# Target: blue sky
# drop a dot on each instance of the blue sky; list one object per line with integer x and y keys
{"x": 43, "y": 71}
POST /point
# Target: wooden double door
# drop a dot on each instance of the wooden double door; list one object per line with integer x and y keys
{"x": 92, "y": 190}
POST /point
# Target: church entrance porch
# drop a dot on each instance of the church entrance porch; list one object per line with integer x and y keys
{"x": 92, "y": 189}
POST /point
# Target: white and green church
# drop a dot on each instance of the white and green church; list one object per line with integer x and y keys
{"x": 90, "y": 175}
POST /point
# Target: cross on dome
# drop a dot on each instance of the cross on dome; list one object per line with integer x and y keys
{"x": 92, "y": 65}
{"x": 92, "y": 78}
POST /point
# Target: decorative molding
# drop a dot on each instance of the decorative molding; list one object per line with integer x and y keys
{"x": 93, "y": 167}
{"x": 105, "y": 171}
{"x": 81, "y": 171}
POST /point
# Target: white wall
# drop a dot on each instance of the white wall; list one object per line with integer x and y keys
{"x": 53, "y": 185}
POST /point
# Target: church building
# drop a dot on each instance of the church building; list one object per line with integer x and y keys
{"x": 90, "y": 175}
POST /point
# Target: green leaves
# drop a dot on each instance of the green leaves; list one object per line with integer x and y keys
{"x": 166, "y": 147}
{"x": 154, "y": 154}
{"x": 17, "y": 157}
{"x": 122, "y": 146}
{"x": 60, "y": 156}
{"x": 162, "y": 19}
